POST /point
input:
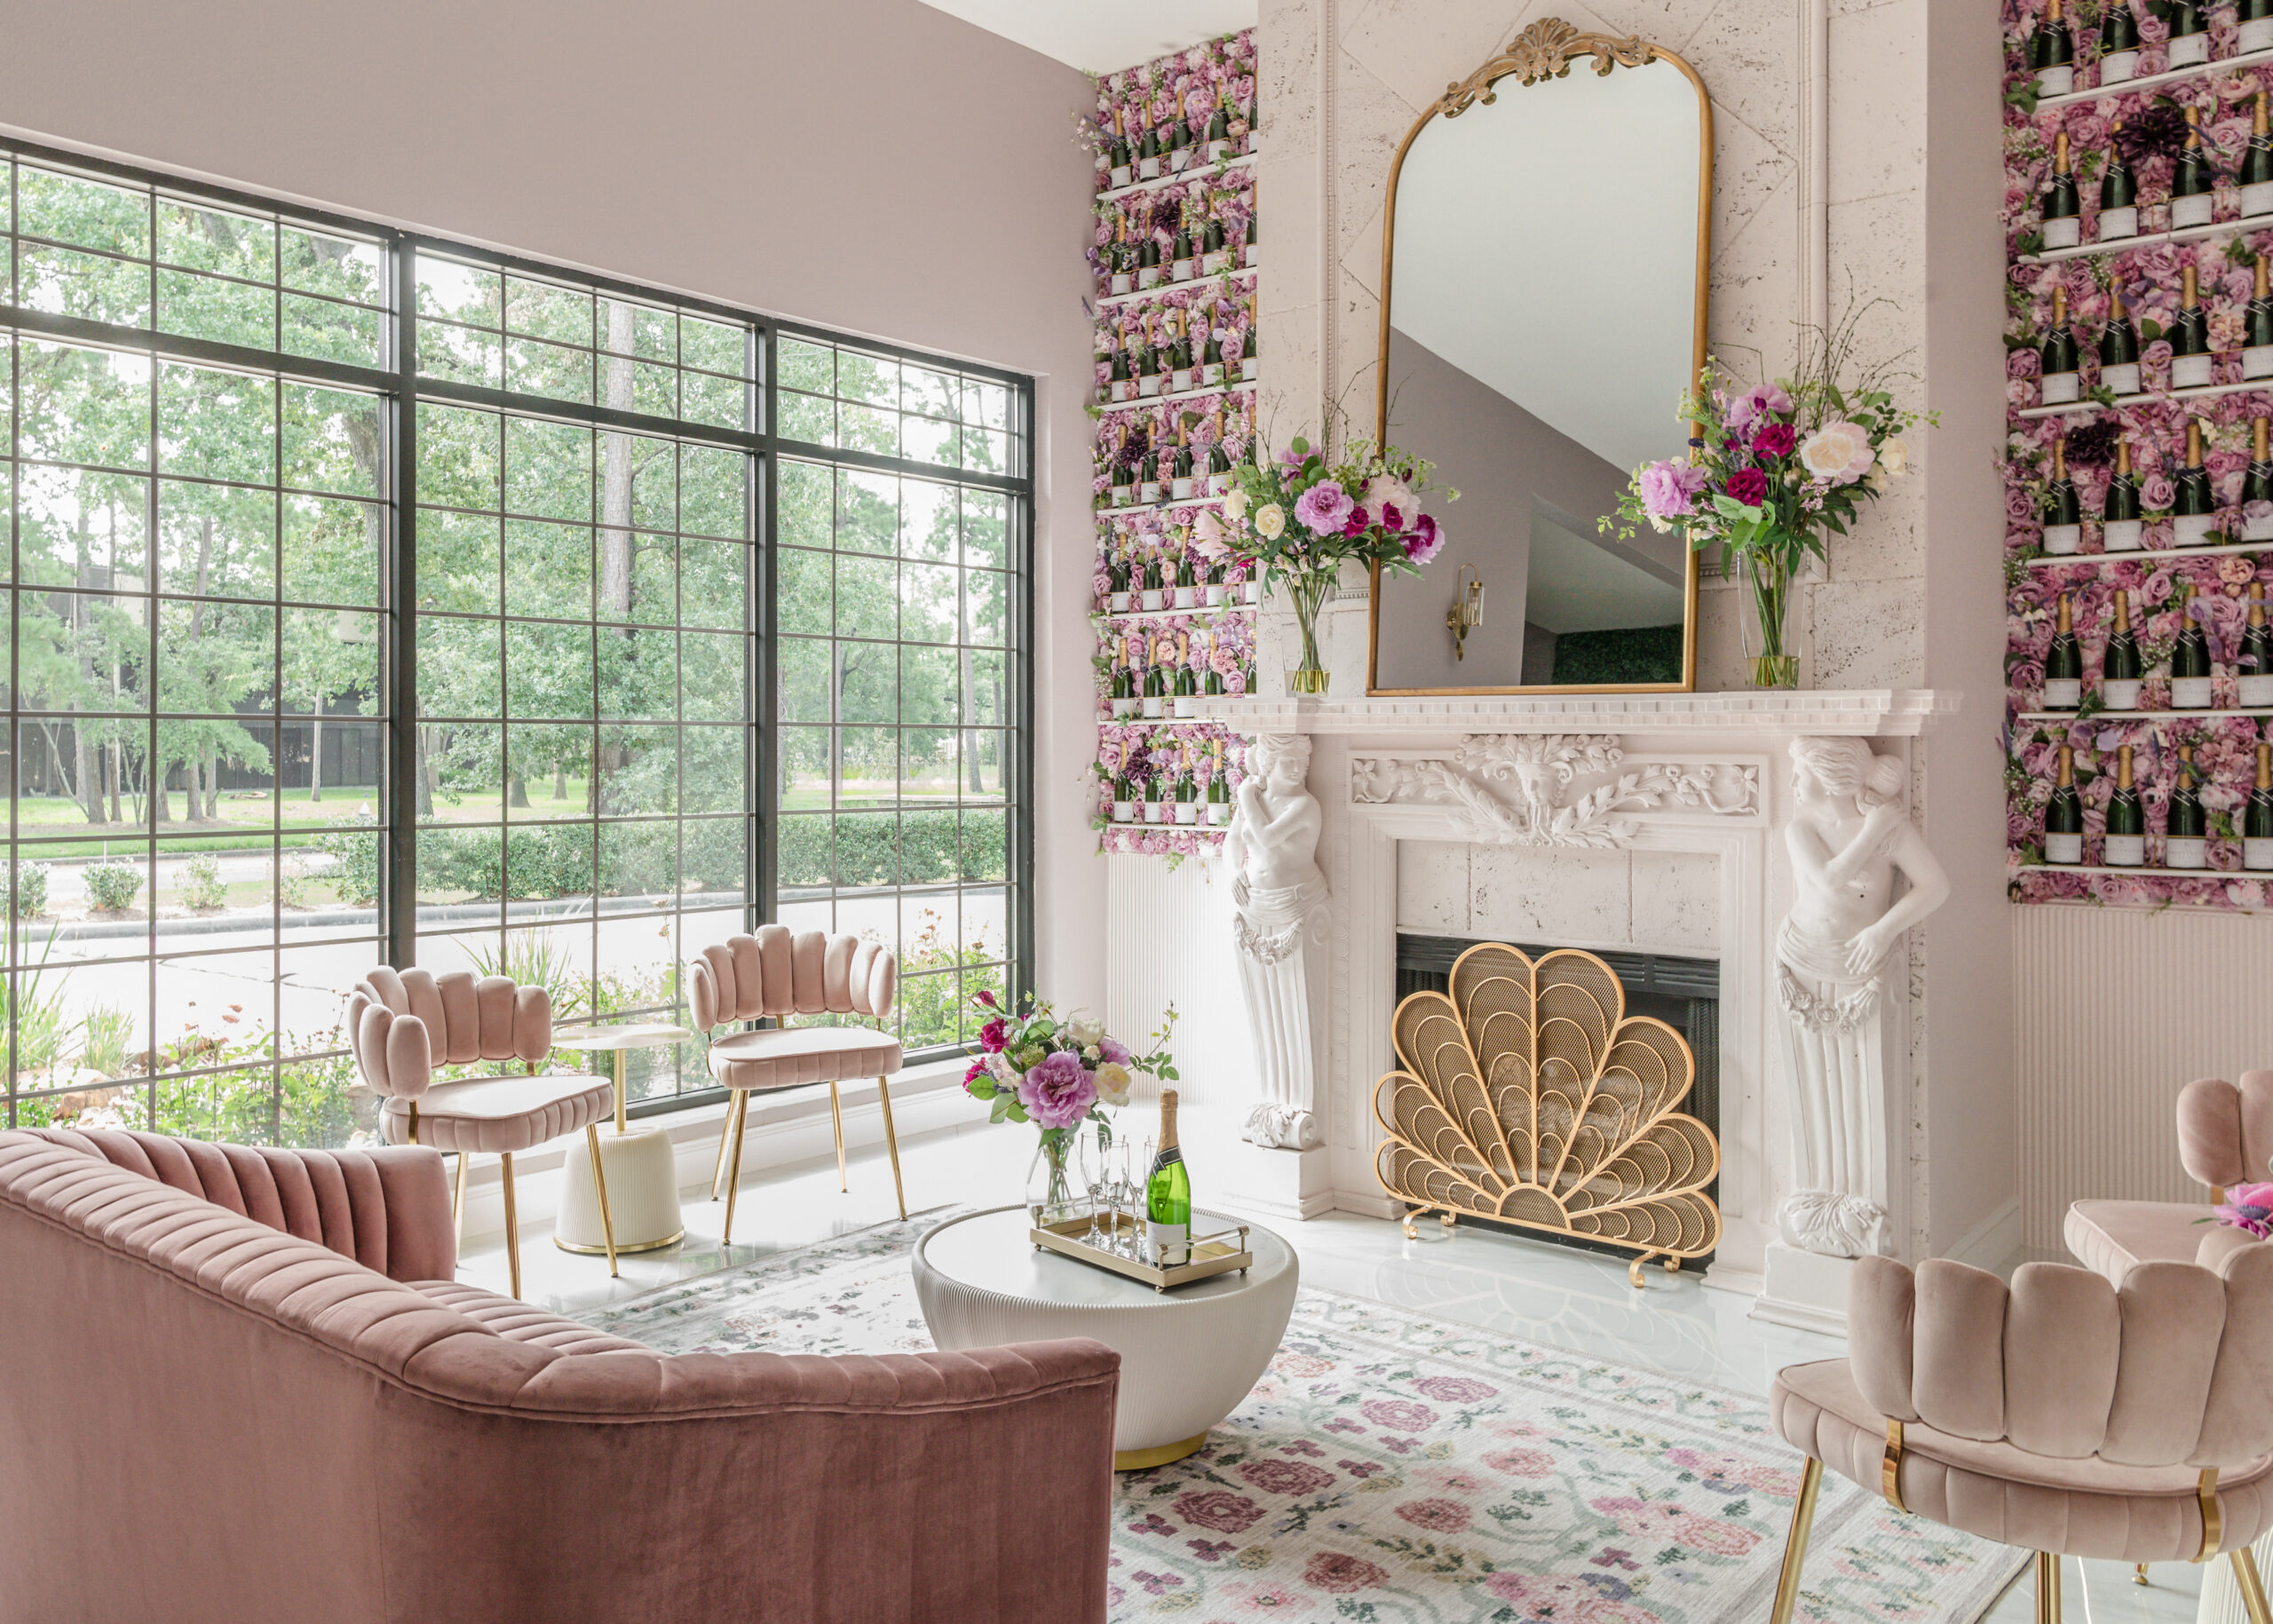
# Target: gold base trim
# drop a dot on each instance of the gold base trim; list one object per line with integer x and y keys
{"x": 1891, "y": 1468}
{"x": 621, "y": 1247}
{"x": 1144, "y": 1459}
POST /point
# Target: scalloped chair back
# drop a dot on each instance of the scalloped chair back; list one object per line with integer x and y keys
{"x": 777, "y": 971}
{"x": 403, "y": 1024}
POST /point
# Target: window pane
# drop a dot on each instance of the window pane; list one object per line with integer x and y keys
{"x": 83, "y": 406}
{"x": 203, "y": 239}
{"x": 84, "y": 213}
{"x": 228, "y": 313}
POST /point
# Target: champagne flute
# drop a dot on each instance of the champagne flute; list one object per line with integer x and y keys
{"x": 1094, "y": 1175}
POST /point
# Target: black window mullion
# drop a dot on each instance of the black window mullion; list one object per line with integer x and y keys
{"x": 399, "y": 796}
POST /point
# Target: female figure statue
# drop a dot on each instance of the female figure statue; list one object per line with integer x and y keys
{"x": 1850, "y": 834}
{"x": 1280, "y": 895}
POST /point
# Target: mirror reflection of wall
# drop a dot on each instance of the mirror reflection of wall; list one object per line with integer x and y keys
{"x": 1543, "y": 320}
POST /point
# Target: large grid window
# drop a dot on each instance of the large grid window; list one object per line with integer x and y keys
{"x": 373, "y": 599}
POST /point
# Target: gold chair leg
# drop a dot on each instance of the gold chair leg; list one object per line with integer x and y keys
{"x": 512, "y": 1230}
{"x": 837, "y": 1121}
{"x": 725, "y": 1132}
{"x": 2253, "y": 1589}
{"x": 457, "y": 1201}
{"x": 1796, "y": 1543}
{"x": 599, "y": 1188}
{"x": 2047, "y": 1587}
{"x": 891, "y": 1144}
{"x": 2138, "y": 1572}
{"x": 734, "y": 1172}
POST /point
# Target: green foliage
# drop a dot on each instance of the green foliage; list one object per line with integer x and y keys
{"x": 855, "y": 848}
{"x": 202, "y": 889}
{"x": 111, "y": 886}
{"x": 1629, "y": 654}
{"x": 352, "y": 845}
{"x": 31, "y": 890}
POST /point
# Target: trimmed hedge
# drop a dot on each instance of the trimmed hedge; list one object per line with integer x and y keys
{"x": 912, "y": 848}
{"x": 1640, "y": 653}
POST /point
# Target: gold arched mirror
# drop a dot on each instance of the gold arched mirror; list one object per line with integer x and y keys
{"x": 1544, "y": 248}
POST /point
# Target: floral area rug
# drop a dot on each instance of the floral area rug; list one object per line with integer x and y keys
{"x": 1398, "y": 1469}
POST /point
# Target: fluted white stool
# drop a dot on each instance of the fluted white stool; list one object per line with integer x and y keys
{"x": 1188, "y": 1356}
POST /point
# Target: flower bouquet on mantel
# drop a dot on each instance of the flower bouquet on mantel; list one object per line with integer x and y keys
{"x": 1772, "y": 470}
{"x": 1297, "y": 519}
{"x": 1057, "y": 1075}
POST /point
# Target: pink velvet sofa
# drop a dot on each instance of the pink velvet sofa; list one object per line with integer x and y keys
{"x": 240, "y": 1385}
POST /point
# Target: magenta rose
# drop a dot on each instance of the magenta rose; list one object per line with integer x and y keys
{"x": 1218, "y": 1509}
{"x": 1058, "y": 1090}
{"x": 1425, "y": 540}
{"x": 1324, "y": 508}
{"x": 1287, "y": 1476}
{"x": 1456, "y": 1390}
{"x": 1748, "y": 485}
{"x": 1337, "y": 1575}
{"x": 1775, "y": 439}
{"x": 993, "y": 1035}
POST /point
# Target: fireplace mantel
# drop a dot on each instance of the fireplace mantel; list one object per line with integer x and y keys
{"x": 1874, "y": 713}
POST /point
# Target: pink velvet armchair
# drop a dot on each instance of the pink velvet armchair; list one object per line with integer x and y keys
{"x": 2225, "y": 1136}
{"x": 2065, "y": 1414}
{"x": 777, "y": 973}
{"x": 255, "y": 1360}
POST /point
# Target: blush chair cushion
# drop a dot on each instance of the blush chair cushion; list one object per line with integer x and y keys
{"x": 488, "y": 1116}
{"x": 2225, "y": 1131}
{"x": 785, "y": 1057}
{"x": 2112, "y": 1238}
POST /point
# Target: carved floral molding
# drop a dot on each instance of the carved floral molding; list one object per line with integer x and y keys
{"x": 1560, "y": 789}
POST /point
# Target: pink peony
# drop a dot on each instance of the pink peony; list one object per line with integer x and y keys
{"x": 1324, "y": 508}
{"x": 1058, "y": 1090}
{"x": 1667, "y": 488}
{"x": 1747, "y": 409}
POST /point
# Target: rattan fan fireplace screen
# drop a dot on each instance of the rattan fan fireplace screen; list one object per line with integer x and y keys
{"x": 1529, "y": 1096}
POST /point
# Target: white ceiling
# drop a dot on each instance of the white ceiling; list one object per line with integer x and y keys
{"x": 1101, "y": 37}
{"x": 1546, "y": 246}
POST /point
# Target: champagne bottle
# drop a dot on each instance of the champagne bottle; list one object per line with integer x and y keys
{"x": 2197, "y": 509}
{"x": 1211, "y": 681}
{"x": 2193, "y": 177}
{"x": 1248, "y": 238}
{"x": 1168, "y": 1193}
{"x": 2118, "y": 43}
{"x": 2185, "y": 829}
{"x": 2255, "y": 176}
{"x": 1148, "y": 482}
{"x": 2060, "y": 387}
{"x": 2052, "y": 53}
{"x": 2118, "y": 190}
{"x": 2257, "y": 327}
{"x": 2257, "y": 485}
{"x": 1148, "y": 154}
{"x": 1119, "y": 162}
{"x": 1215, "y": 248}
{"x": 2256, "y": 33}
{"x": 2189, "y": 34}
{"x": 2190, "y": 660}
{"x": 2253, "y": 665}
{"x": 1219, "y": 788}
{"x": 1211, "y": 362}
{"x": 1116, "y": 580}
{"x": 1155, "y": 697}
{"x": 2118, "y": 347}
{"x": 2190, "y": 337}
{"x": 1219, "y": 460}
{"x": 1124, "y": 796}
{"x": 1180, "y": 484}
{"x": 2064, "y": 664}
{"x": 1187, "y": 788}
{"x": 1187, "y": 577}
{"x": 2063, "y": 528}
{"x": 2125, "y": 844}
{"x": 1124, "y": 684}
{"x": 2063, "y": 815}
{"x": 1182, "y": 262}
{"x": 1148, "y": 261}
{"x": 1120, "y": 382}
{"x": 1249, "y": 368}
{"x": 1219, "y": 131}
{"x": 2257, "y": 817}
{"x": 1178, "y": 145}
{"x": 2064, "y": 209}
{"x": 2120, "y": 664}
{"x": 1180, "y": 369}
{"x": 2121, "y": 523}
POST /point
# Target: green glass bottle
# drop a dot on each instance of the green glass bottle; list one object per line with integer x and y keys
{"x": 2190, "y": 660}
{"x": 2121, "y": 523}
{"x": 1118, "y": 158}
{"x": 2118, "y": 190}
{"x": 2120, "y": 665}
{"x": 2195, "y": 175}
{"x": 1219, "y": 786}
{"x": 2118, "y": 43}
{"x": 2118, "y": 347}
{"x": 2063, "y": 815}
{"x": 2125, "y": 845}
{"x": 2190, "y": 33}
{"x": 2064, "y": 208}
{"x": 2063, "y": 527}
{"x": 2190, "y": 337}
{"x": 1156, "y": 696}
{"x": 2255, "y": 175}
{"x": 2186, "y": 829}
{"x": 2257, "y": 483}
{"x": 2061, "y": 383}
{"x": 2063, "y": 663}
{"x": 2254, "y": 664}
{"x": 1219, "y": 132}
{"x": 1168, "y": 1193}
{"x": 2197, "y": 509}
{"x": 2255, "y": 32}
{"x": 2257, "y": 328}
{"x": 2052, "y": 53}
{"x": 2257, "y": 817}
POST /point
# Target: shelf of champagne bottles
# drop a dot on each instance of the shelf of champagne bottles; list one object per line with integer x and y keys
{"x": 2117, "y": 47}
{"x": 1147, "y": 146}
{"x": 2191, "y": 687}
{"x": 2187, "y": 836}
{"x": 2196, "y": 518}
{"x": 1159, "y": 676}
{"x": 2194, "y": 363}
{"x": 1198, "y": 166}
{"x": 2190, "y": 207}
{"x": 1193, "y": 790}
{"x": 1242, "y": 275}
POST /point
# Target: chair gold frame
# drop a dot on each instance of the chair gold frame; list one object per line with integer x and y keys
{"x": 1546, "y": 50}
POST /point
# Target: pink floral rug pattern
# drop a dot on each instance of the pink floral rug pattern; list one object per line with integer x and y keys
{"x": 1392, "y": 1469}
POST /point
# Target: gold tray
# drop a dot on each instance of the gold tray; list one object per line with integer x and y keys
{"x": 1210, "y": 1255}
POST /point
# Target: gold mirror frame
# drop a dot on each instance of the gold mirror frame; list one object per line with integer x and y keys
{"x": 1546, "y": 50}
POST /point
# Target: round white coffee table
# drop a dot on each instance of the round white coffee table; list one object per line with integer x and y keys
{"x": 1188, "y": 1356}
{"x": 641, "y": 1169}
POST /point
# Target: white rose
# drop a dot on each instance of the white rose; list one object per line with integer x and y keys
{"x": 1112, "y": 1083}
{"x": 1084, "y": 1031}
{"x": 1837, "y": 453}
{"x": 1271, "y": 521}
{"x": 1235, "y": 506}
{"x": 1894, "y": 456}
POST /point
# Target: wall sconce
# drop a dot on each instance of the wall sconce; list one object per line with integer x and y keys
{"x": 1467, "y": 612}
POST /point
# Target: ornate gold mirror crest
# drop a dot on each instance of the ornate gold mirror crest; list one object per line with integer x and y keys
{"x": 1572, "y": 230}
{"x": 1528, "y": 1096}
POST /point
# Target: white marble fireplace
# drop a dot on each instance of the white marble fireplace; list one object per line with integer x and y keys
{"x": 1652, "y": 823}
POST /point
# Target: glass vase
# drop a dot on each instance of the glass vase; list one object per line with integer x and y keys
{"x": 1050, "y": 1183}
{"x": 1766, "y": 621}
{"x": 1308, "y": 591}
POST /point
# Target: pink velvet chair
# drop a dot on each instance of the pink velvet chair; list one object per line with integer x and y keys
{"x": 257, "y": 1358}
{"x": 778, "y": 973}
{"x": 403, "y": 1024}
{"x": 2065, "y": 1414}
{"x": 2225, "y": 1137}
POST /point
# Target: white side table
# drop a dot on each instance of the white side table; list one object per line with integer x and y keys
{"x": 1188, "y": 1356}
{"x": 642, "y": 1171}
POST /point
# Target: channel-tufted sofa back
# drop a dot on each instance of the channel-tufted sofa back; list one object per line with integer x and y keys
{"x": 2174, "y": 1368}
{"x": 2225, "y": 1133}
{"x": 403, "y": 1024}
{"x": 778, "y": 971}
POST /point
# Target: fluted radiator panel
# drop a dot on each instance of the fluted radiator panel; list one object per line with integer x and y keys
{"x": 2118, "y": 1011}
{"x": 1169, "y": 938}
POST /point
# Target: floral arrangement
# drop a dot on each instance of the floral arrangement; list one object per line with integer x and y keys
{"x": 2248, "y": 1207}
{"x": 1191, "y": 82}
{"x": 1298, "y": 518}
{"x": 2147, "y": 276}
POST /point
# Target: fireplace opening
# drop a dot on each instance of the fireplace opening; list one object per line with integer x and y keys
{"x": 1684, "y": 992}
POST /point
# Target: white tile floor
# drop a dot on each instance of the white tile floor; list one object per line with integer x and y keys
{"x": 1543, "y": 1293}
